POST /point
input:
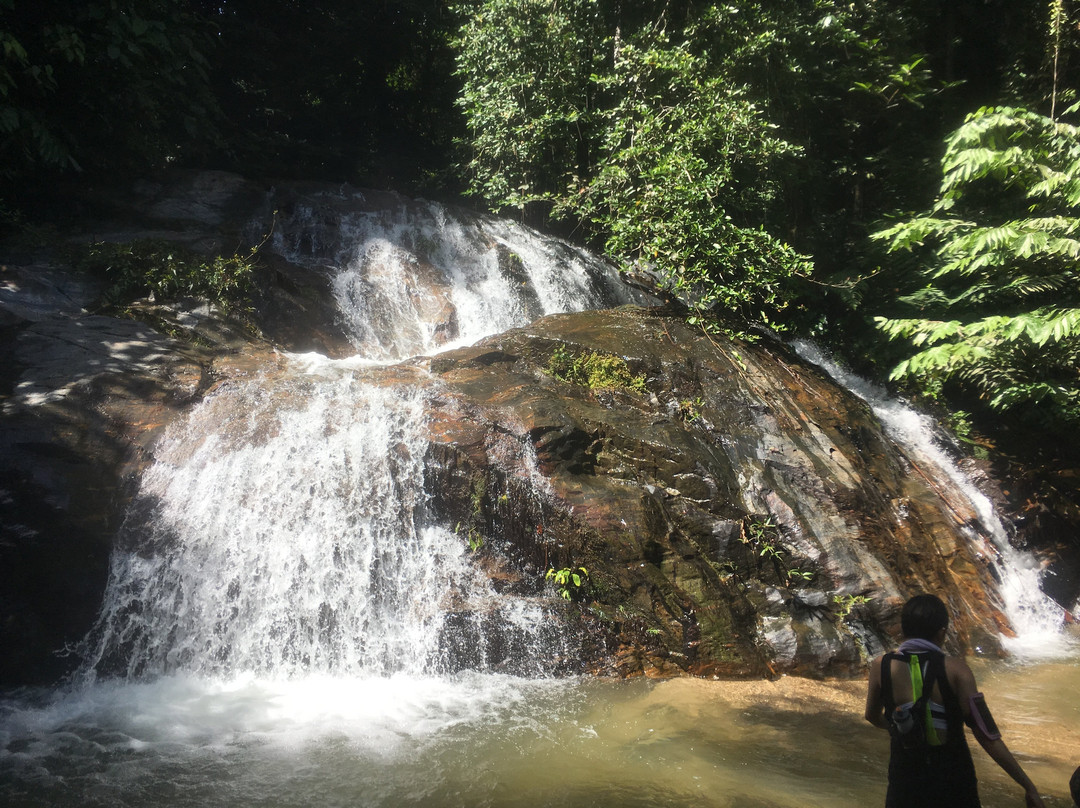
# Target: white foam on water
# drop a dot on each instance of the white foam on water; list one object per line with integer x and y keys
{"x": 1036, "y": 619}
{"x": 378, "y": 714}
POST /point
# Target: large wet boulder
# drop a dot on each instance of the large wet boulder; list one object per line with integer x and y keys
{"x": 737, "y": 512}
{"x": 83, "y": 397}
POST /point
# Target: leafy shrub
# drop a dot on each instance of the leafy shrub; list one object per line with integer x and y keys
{"x": 166, "y": 271}
{"x": 636, "y": 136}
{"x": 569, "y": 581}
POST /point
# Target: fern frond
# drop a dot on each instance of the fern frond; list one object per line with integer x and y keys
{"x": 1043, "y": 238}
{"x": 1011, "y": 285}
{"x": 963, "y": 166}
{"x": 1064, "y": 324}
{"x": 929, "y": 297}
{"x": 917, "y": 231}
{"x": 920, "y": 331}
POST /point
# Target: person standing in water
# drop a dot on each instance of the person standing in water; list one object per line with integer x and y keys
{"x": 924, "y": 698}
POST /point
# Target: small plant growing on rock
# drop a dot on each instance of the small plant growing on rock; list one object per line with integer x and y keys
{"x": 845, "y": 603}
{"x": 690, "y": 409}
{"x": 473, "y": 536}
{"x": 569, "y": 581}
{"x": 473, "y": 527}
{"x": 597, "y": 371}
{"x": 763, "y": 538}
{"x": 165, "y": 271}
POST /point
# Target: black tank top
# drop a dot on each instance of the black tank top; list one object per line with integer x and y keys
{"x": 931, "y": 776}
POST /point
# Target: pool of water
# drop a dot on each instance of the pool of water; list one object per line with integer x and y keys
{"x": 488, "y": 740}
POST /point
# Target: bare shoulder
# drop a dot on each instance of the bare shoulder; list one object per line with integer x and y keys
{"x": 955, "y": 666}
{"x": 875, "y": 708}
{"x": 960, "y": 677}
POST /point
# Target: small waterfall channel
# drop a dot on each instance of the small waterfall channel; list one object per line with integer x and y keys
{"x": 287, "y": 625}
{"x": 1036, "y": 619}
{"x": 418, "y": 278}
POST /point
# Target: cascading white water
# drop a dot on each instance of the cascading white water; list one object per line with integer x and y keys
{"x": 258, "y": 551}
{"x": 1035, "y": 618}
{"x": 424, "y": 278}
{"x": 282, "y": 530}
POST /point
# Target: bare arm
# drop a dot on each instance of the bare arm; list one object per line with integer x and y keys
{"x": 1000, "y": 754}
{"x": 963, "y": 683}
{"x": 875, "y": 707}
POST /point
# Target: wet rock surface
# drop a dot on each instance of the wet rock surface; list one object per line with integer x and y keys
{"x": 737, "y": 512}
{"x": 83, "y": 397}
{"x": 742, "y": 516}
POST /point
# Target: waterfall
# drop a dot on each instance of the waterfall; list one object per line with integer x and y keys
{"x": 283, "y": 529}
{"x": 422, "y": 277}
{"x": 1036, "y": 619}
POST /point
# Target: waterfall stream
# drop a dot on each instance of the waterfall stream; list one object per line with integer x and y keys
{"x": 1036, "y": 619}
{"x": 282, "y": 530}
{"x": 422, "y": 278}
{"x": 286, "y": 624}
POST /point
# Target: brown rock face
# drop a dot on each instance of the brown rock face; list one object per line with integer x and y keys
{"x": 739, "y": 514}
{"x": 83, "y": 397}
{"x": 721, "y": 496}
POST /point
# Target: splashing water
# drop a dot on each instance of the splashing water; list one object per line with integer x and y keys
{"x": 283, "y": 532}
{"x": 424, "y": 278}
{"x": 1035, "y": 618}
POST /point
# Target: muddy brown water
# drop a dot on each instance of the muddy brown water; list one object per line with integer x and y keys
{"x": 488, "y": 740}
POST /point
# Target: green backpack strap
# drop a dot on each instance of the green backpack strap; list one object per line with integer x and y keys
{"x": 920, "y": 693}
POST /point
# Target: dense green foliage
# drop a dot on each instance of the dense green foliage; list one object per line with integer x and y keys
{"x": 998, "y": 308}
{"x": 687, "y": 173}
{"x": 329, "y": 89}
{"x": 101, "y": 85}
{"x": 335, "y": 89}
{"x": 629, "y": 134}
{"x": 163, "y": 270}
{"x": 718, "y": 145}
{"x": 742, "y": 152}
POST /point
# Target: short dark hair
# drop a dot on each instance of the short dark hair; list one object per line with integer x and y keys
{"x": 923, "y": 617}
{"x": 1074, "y": 786}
